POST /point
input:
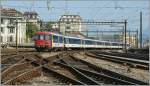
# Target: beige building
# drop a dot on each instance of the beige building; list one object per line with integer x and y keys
{"x": 132, "y": 40}
{"x": 70, "y": 23}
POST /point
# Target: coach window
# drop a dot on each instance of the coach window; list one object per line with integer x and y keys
{"x": 113, "y": 44}
{"x": 116, "y": 44}
{"x": 60, "y": 39}
{"x": 66, "y": 40}
{"x": 107, "y": 43}
{"x": 99, "y": 43}
{"x": 78, "y": 41}
{"x": 41, "y": 37}
{"x": 47, "y": 37}
{"x": 55, "y": 38}
{"x": 93, "y": 42}
{"x": 50, "y": 37}
{"x": 71, "y": 41}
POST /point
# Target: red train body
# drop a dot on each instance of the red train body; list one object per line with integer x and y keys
{"x": 42, "y": 40}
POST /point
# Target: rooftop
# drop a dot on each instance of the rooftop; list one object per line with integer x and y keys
{"x": 10, "y": 12}
{"x": 30, "y": 13}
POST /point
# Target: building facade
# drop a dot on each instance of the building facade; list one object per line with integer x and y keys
{"x": 12, "y": 20}
{"x": 33, "y": 18}
{"x": 131, "y": 40}
{"x": 146, "y": 43}
{"x": 70, "y": 23}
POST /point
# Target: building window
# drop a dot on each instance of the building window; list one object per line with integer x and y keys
{"x": 2, "y": 21}
{"x": 67, "y": 22}
{"x": 11, "y": 21}
{"x": 2, "y": 30}
{"x": 11, "y": 30}
{"x": 10, "y": 39}
{"x": 67, "y": 27}
{"x": 1, "y": 39}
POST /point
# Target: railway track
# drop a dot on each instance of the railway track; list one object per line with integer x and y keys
{"x": 19, "y": 71}
{"x": 24, "y": 76}
{"x": 93, "y": 78}
{"x": 21, "y": 68}
{"x": 84, "y": 72}
{"x": 143, "y": 64}
{"x": 126, "y": 55}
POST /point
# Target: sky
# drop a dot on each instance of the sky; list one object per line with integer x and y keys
{"x": 98, "y": 10}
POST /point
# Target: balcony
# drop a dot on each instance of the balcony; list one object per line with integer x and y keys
{"x": 11, "y": 26}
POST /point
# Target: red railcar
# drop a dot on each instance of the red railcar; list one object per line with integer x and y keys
{"x": 43, "y": 40}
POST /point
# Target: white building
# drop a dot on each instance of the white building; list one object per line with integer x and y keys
{"x": 8, "y": 26}
{"x": 70, "y": 23}
{"x": 32, "y": 17}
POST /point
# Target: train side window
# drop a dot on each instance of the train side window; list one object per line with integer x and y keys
{"x": 100, "y": 43}
{"x": 50, "y": 37}
{"x": 41, "y": 37}
{"x": 66, "y": 40}
{"x": 71, "y": 41}
{"x": 60, "y": 39}
{"x": 77, "y": 41}
{"x": 55, "y": 38}
{"x": 83, "y": 41}
{"x": 47, "y": 37}
{"x": 107, "y": 43}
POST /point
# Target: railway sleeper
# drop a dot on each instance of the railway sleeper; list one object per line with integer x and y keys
{"x": 114, "y": 74}
{"x": 85, "y": 79}
{"x": 24, "y": 76}
{"x": 59, "y": 75}
{"x": 131, "y": 64}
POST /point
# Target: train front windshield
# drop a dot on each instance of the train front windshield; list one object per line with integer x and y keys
{"x": 42, "y": 37}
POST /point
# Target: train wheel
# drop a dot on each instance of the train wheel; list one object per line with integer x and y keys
{"x": 39, "y": 49}
{"x": 49, "y": 50}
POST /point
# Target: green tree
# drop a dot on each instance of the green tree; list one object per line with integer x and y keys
{"x": 49, "y": 26}
{"x": 31, "y": 29}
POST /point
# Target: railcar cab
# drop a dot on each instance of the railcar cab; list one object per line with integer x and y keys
{"x": 42, "y": 40}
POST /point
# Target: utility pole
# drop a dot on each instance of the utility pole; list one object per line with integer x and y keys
{"x": 140, "y": 29}
{"x": 16, "y": 34}
{"x": 129, "y": 38}
{"x": 87, "y": 33}
{"x": 137, "y": 39}
{"x": 97, "y": 33}
{"x": 125, "y": 24}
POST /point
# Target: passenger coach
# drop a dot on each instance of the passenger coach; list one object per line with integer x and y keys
{"x": 50, "y": 41}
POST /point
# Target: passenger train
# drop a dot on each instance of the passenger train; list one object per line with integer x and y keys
{"x": 50, "y": 41}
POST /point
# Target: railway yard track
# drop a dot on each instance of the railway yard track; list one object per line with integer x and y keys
{"x": 60, "y": 68}
{"x": 127, "y": 59}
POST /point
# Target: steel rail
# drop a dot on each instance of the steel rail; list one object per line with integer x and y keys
{"x": 132, "y": 62}
{"x": 113, "y": 74}
{"x": 82, "y": 77}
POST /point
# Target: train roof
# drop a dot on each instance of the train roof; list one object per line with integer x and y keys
{"x": 43, "y": 32}
{"x": 73, "y": 37}
{"x": 76, "y": 37}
